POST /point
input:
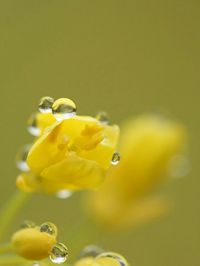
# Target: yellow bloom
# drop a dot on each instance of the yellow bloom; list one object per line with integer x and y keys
{"x": 37, "y": 243}
{"x": 104, "y": 259}
{"x": 70, "y": 154}
{"x": 147, "y": 146}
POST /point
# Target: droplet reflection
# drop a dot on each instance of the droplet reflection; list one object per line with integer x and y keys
{"x": 115, "y": 158}
{"x": 21, "y": 158}
{"x": 59, "y": 253}
{"x": 33, "y": 128}
{"x": 48, "y": 228}
{"x": 102, "y": 117}
{"x": 63, "y": 108}
{"x": 45, "y": 104}
{"x": 28, "y": 224}
{"x": 64, "y": 194}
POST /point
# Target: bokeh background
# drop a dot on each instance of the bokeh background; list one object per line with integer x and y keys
{"x": 125, "y": 57}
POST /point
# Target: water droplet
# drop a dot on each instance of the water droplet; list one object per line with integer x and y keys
{"x": 179, "y": 166}
{"x": 33, "y": 128}
{"x": 102, "y": 117}
{"x": 21, "y": 158}
{"x": 115, "y": 159}
{"x": 36, "y": 264}
{"x": 28, "y": 224}
{"x": 63, "y": 108}
{"x": 45, "y": 104}
{"x": 59, "y": 253}
{"x": 64, "y": 194}
{"x": 91, "y": 251}
{"x": 111, "y": 255}
{"x": 48, "y": 228}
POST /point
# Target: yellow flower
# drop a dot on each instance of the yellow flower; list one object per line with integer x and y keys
{"x": 38, "y": 243}
{"x": 70, "y": 154}
{"x": 104, "y": 259}
{"x": 148, "y": 145}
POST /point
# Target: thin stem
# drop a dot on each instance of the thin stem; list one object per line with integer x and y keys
{"x": 10, "y": 210}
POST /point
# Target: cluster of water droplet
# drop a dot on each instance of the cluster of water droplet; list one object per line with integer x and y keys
{"x": 59, "y": 252}
{"x": 62, "y": 108}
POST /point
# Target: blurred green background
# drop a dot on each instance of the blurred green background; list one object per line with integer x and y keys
{"x": 125, "y": 57}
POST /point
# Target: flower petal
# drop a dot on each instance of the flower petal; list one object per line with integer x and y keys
{"x": 72, "y": 173}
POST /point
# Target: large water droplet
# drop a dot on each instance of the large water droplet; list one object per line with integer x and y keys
{"x": 28, "y": 224}
{"x": 91, "y": 251}
{"x": 21, "y": 158}
{"x": 64, "y": 194}
{"x": 59, "y": 253}
{"x": 111, "y": 255}
{"x": 179, "y": 166}
{"x": 48, "y": 228}
{"x": 33, "y": 128}
{"x": 63, "y": 108}
{"x": 115, "y": 158}
{"x": 45, "y": 104}
{"x": 102, "y": 117}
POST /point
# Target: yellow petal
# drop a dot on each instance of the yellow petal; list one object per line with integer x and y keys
{"x": 27, "y": 182}
{"x": 72, "y": 173}
{"x": 45, "y": 120}
{"x": 46, "y": 150}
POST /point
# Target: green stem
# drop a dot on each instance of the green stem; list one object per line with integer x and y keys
{"x": 10, "y": 210}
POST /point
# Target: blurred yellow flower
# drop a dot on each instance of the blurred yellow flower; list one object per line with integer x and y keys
{"x": 148, "y": 145}
{"x": 104, "y": 259}
{"x": 69, "y": 154}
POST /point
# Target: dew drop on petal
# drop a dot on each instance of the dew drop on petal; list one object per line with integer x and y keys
{"x": 63, "y": 108}
{"x": 33, "y": 128}
{"x": 115, "y": 158}
{"x": 48, "y": 228}
{"x": 102, "y": 117}
{"x": 179, "y": 166}
{"x": 21, "y": 158}
{"x": 59, "y": 253}
{"x": 28, "y": 224}
{"x": 64, "y": 194}
{"x": 91, "y": 251}
{"x": 45, "y": 104}
{"x": 121, "y": 260}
